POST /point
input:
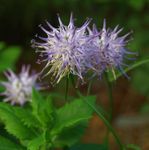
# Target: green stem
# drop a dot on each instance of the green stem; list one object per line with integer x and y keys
{"x": 105, "y": 121}
{"x": 89, "y": 87}
{"x": 110, "y": 89}
{"x": 110, "y": 98}
{"x": 67, "y": 87}
{"x": 102, "y": 118}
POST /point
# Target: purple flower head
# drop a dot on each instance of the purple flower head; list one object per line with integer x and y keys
{"x": 108, "y": 50}
{"x": 19, "y": 88}
{"x": 63, "y": 49}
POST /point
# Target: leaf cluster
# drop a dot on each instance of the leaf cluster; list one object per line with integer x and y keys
{"x": 40, "y": 125}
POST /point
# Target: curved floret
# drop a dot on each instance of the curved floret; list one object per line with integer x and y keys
{"x": 109, "y": 49}
{"x": 63, "y": 50}
{"x": 18, "y": 88}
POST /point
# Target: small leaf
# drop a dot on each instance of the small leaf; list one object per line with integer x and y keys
{"x": 6, "y": 144}
{"x": 73, "y": 113}
{"x": 26, "y": 117}
{"x": 13, "y": 124}
{"x": 36, "y": 143}
{"x": 42, "y": 108}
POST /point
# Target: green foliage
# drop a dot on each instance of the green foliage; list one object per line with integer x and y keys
{"x": 89, "y": 147}
{"x": 26, "y": 116}
{"x": 6, "y": 144}
{"x": 13, "y": 123}
{"x": 36, "y": 143}
{"x": 70, "y": 136}
{"x": 42, "y": 108}
{"x": 41, "y": 126}
{"x": 8, "y": 56}
{"x": 73, "y": 113}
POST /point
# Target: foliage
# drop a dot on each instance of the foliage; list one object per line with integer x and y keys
{"x": 9, "y": 145}
{"x": 41, "y": 125}
{"x": 9, "y": 56}
{"x": 89, "y": 147}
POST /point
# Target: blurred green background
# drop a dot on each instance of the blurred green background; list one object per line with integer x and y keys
{"x": 19, "y": 20}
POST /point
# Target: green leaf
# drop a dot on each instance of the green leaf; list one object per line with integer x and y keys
{"x": 36, "y": 143}
{"x": 70, "y": 136}
{"x": 73, "y": 113}
{"x": 8, "y": 57}
{"x": 26, "y": 117}
{"x": 6, "y": 144}
{"x": 13, "y": 123}
{"x": 42, "y": 108}
{"x": 133, "y": 66}
{"x": 89, "y": 147}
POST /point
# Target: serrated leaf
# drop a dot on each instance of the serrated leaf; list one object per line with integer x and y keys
{"x": 42, "y": 108}
{"x": 89, "y": 147}
{"x": 36, "y": 143}
{"x": 73, "y": 113}
{"x": 26, "y": 117}
{"x": 6, "y": 144}
{"x": 13, "y": 124}
{"x": 131, "y": 67}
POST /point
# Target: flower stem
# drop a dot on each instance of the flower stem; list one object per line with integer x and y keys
{"x": 105, "y": 121}
{"x": 101, "y": 116}
{"x": 110, "y": 89}
{"x": 67, "y": 87}
{"x": 89, "y": 87}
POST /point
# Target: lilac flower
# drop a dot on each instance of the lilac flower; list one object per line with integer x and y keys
{"x": 108, "y": 50}
{"x": 19, "y": 88}
{"x": 63, "y": 49}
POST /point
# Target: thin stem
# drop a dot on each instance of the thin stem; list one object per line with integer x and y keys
{"x": 110, "y": 98}
{"x": 105, "y": 121}
{"x": 67, "y": 87}
{"x": 89, "y": 87}
{"x": 101, "y": 117}
{"x": 110, "y": 89}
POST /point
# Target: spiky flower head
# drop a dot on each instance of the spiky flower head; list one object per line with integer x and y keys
{"x": 63, "y": 49}
{"x": 109, "y": 49}
{"x": 18, "y": 88}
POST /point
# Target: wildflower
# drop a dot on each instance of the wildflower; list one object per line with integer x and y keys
{"x": 108, "y": 50}
{"x": 63, "y": 49}
{"x": 19, "y": 88}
